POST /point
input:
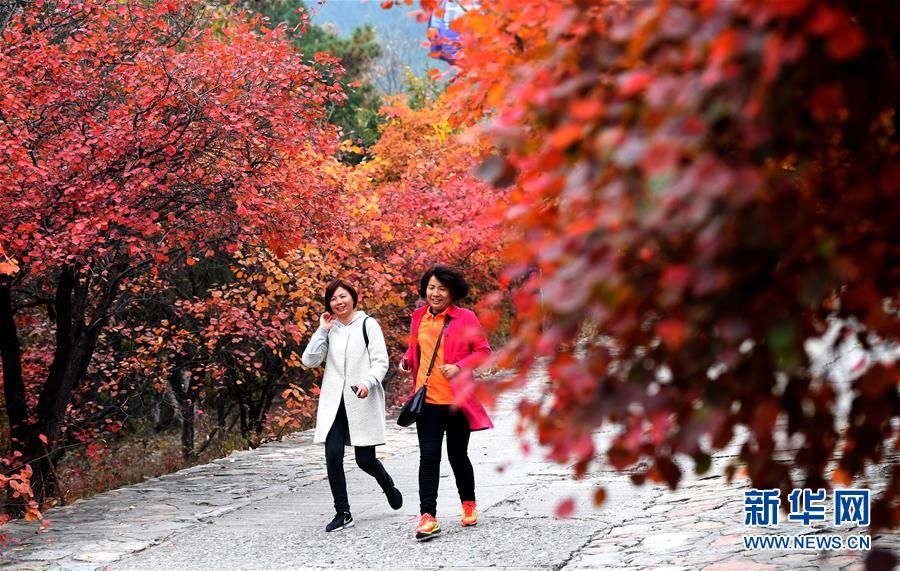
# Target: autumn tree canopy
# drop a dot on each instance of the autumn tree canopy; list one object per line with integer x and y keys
{"x": 134, "y": 136}
{"x": 701, "y": 184}
{"x": 176, "y": 205}
{"x": 357, "y": 113}
{"x": 685, "y": 193}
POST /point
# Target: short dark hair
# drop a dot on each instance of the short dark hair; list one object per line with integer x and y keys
{"x": 332, "y": 287}
{"x": 450, "y": 277}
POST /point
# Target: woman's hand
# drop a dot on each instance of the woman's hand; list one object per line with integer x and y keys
{"x": 450, "y": 371}
{"x": 362, "y": 391}
{"x": 326, "y": 321}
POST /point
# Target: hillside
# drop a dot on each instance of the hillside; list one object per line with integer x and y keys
{"x": 397, "y": 29}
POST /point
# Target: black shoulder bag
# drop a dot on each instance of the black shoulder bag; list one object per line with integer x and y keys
{"x": 413, "y": 407}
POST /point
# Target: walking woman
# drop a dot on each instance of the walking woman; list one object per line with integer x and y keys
{"x": 351, "y": 402}
{"x": 446, "y": 344}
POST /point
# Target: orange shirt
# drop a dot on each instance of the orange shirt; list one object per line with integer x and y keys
{"x": 438, "y": 386}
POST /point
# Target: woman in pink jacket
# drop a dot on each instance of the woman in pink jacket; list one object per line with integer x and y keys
{"x": 446, "y": 344}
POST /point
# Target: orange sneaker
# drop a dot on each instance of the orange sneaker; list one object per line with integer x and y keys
{"x": 470, "y": 515}
{"x": 428, "y": 528}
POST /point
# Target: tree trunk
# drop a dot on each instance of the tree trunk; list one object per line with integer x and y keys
{"x": 11, "y": 354}
{"x": 221, "y": 414}
{"x": 242, "y": 410}
{"x": 76, "y": 339}
{"x": 265, "y": 400}
{"x": 43, "y": 467}
{"x": 187, "y": 431}
{"x": 184, "y": 394}
{"x": 24, "y": 434}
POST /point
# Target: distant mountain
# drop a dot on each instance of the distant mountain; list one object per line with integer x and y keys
{"x": 399, "y": 33}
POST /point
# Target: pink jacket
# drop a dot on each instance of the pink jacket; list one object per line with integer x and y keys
{"x": 466, "y": 346}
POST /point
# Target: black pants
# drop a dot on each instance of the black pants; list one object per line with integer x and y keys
{"x": 435, "y": 420}
{"x": 337, "y": 438}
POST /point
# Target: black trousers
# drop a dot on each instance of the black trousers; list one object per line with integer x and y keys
{"x": 435, "y": 420}
{"x": 337, "y": 438}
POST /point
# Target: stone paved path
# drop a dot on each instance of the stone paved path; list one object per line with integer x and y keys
{"x": 266, "y": 509}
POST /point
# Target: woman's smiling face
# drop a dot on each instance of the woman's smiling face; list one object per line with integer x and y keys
{"x": 437, "y": 295}
{"x": 341, "y": 303}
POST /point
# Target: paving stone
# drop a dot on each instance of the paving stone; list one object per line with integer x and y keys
{"x": 45, "y": 555}
{"x": 739, "y": 565}
{"x": 638, "y": 529}
{"x": 671, "y": 542}
{"x": 266, "y": 508}
{"x": 707, "y": 525}
{"x": 694, "y": 508}
{"x": 598, "y": 561}
{"x": 727, "y": 540}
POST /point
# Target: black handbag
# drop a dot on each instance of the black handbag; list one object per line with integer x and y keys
{"x": 413, "y": 407}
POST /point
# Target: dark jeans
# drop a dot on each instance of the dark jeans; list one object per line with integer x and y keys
{"x": 435, "y": 420}
{"x": 334, "y": 459}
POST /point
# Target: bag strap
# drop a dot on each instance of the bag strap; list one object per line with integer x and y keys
{"x": 436, "y": 347}
{"x": 366, "y": 333}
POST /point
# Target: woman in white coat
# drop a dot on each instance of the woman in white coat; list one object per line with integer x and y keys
{"x": 351, "y": 402}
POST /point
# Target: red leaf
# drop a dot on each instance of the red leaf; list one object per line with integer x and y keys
{"x": 827, "y": 101}
{"x": 620, "y": 457}
{"x": 633, "y": 82}
{"x": 825, "y": 20}
{"x": 846, "y": 43}
{"x": 676, "y": 277}
{"x": 789, "y": 7}
{"x": 565, "y": 509}
{"x": 660, "y": 158}
{"x": 672, "y": 332}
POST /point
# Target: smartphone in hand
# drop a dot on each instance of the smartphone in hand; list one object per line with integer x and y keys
{"x": 355, "y": 389}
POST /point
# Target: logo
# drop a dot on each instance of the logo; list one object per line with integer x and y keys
{"x": 807, "y": 507}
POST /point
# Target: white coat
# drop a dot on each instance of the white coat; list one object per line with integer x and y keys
{"x": 348, "y": 363}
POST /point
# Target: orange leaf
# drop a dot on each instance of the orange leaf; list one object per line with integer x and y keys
{"x": 8, "y": 268}
{"x": 841, "y": 477}
{"x": 566, "y": 135}
{"x": 724, "y": 46}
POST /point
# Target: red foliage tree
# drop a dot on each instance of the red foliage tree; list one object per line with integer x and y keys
{"x": 136, "y": 135}
{"x": 230, "y": 346}
{"x": 416, "y": 203}
{"x": 702, "y": 185}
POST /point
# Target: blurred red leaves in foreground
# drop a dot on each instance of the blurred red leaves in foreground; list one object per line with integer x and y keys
{"x": 697, "y": 188}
